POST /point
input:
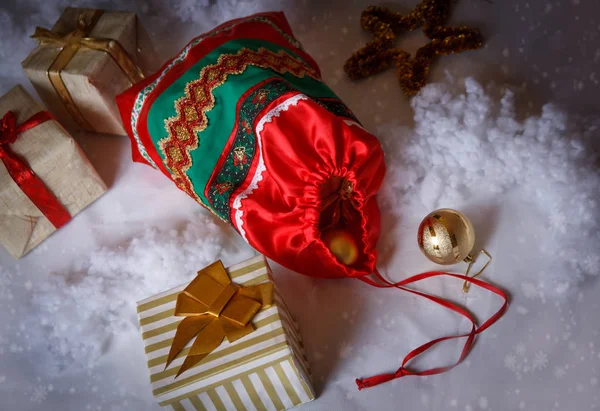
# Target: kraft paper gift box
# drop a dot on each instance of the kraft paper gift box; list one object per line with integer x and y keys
{"x": 59, "y": 165}
{"x": 86, "y": 60}
{"x": 266, "y": 369}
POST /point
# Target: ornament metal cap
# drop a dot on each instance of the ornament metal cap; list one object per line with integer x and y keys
{"x": 446, "y": 236}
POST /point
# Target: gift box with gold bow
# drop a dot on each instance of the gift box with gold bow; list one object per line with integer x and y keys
{"x": 226, "y": 340}
{"x": 45, "y": 179}
{"x": 84, "y": 61}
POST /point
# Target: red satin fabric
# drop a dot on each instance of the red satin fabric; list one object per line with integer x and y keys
{"x": 303, "y": 148}
{"x": 23, "y": 175}
{"x": 402, "y": 371}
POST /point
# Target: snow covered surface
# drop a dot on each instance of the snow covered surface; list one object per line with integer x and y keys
{"x": 508, "y": 135}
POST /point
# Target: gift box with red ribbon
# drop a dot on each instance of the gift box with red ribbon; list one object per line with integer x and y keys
{"x": 45, "y": 178}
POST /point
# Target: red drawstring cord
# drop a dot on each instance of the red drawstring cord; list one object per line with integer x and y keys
{"x": 401, "y": 372}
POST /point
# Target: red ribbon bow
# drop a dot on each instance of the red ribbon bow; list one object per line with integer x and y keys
{"x": 23, "y": 175}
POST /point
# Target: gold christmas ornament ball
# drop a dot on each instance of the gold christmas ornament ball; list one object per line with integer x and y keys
{"x": 342, "y": 246}
{"x": 446, "y": 236}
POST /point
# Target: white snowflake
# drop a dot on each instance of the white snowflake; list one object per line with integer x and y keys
{"x": 346, "y": 349}
{"x": 39, "y": 394}
{"x": 530, "y": 290}
{"x": 5, "y": 293}
{"x": 540, "y": 360}
{"x": 522, "y": 310}
{"x": 510, "y": 362}
{"x": 558, "y": 221}
{"x": 559, "y": 372}
{"x": 520, "y": 348}
{"x": 591, "y": 264}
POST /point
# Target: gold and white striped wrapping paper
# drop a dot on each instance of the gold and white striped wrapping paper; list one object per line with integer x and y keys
{"x": 265, "y": 370}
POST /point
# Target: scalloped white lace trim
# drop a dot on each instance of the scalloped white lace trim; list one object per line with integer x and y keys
{"x": 260, "y": 168}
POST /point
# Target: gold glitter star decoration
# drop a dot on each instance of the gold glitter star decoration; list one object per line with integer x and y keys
{"x": 386, "y": 25}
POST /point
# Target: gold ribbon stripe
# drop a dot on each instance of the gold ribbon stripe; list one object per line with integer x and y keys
{"x": 245, "y": 384}
{"x": 300, "y": 357}
{"x": 163, "y": 359}
{"x": 271, "y": 334}
{"x": 172, "y": 325}
{"x": 211, "y": 372}
{"x": 160, "y": 330}
{"x": 224, "y": 353}
{"x": 155, "y": 346}
{"x": 63, "y": 58}
{"x": 299, "y": 353}
{"x": 70, "y": 43}
{"x": 241, "y": 376}
{"x": 249, "y": 387}
{"x": 166, "y": 343}
{"x": 235, "y": 398}
{"x": 197, "y": 403}
{"x": 216, "y": 400}
{"x": 157, "y": 317}
{"x": 303, "y": 382}
{"x": 294, "y": 333}
{"x": 281, "y": 303}
{"x": 287, "y": 384}
{"x": 178, "y": 407}
{"x": 266, "y": 382}
{"x": 247, "y": 359}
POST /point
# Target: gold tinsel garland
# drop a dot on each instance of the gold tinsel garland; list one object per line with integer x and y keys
{"x": 385, "y": 25}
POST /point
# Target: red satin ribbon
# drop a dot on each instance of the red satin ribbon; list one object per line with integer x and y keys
{"x": 401, "y": 372}
{"x": 23, "y": 175}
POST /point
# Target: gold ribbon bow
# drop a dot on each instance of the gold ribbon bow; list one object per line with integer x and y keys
{"x": 70, "y": 43}
{"x": 215, "y": 308}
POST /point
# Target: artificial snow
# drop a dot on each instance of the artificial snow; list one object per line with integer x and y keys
{"x": 523, "y": 169}
{"x": 473, "y": 149}
{"x": 468, "y": 149}
{"x": 94, "y": 299}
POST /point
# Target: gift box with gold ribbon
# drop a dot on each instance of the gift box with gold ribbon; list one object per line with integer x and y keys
{"x": 226, "y": 340}
{"x": 84, "y": 61}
